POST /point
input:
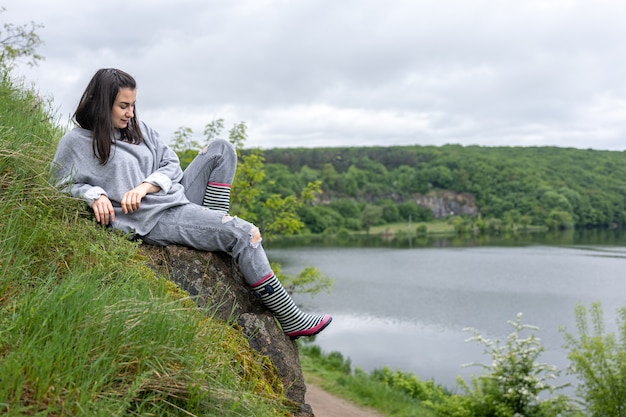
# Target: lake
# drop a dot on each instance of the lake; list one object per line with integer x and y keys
{"x": 407, "y": 307}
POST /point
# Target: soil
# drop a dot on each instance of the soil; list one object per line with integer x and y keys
{"x": 325, "y": 404}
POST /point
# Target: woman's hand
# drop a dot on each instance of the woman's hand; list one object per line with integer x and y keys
{"x": 103, "y": 209}
{"x": 132, "y": 199}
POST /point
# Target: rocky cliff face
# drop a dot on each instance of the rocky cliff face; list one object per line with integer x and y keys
{"x": 448, "y": 203}
{"x": 213, "y": 280}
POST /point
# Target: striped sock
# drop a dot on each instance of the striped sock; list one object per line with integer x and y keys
{"x": 293, "y": 321}
{"x": 217, "y": 196}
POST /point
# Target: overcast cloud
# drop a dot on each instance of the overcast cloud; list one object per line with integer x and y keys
{"x": 316, "y": 73}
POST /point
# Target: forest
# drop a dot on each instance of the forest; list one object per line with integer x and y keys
{"x": 513, "y": 187}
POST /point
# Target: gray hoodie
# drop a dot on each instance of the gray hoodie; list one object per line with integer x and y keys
{"x": 77, "y": 171}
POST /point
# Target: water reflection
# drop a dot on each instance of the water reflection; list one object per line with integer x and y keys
{"x": 427, "y": 351}
{"x": 407, "y": 308}
{"x": 605, "y": 237}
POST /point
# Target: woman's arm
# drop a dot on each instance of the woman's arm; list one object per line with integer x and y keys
{"x": 167, "y": 169}
{"x": 66, "y": 166}
{"x": 132, "y": 199}
{"x": 103, "y": 208}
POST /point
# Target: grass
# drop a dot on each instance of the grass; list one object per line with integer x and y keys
{"x": 333, "y": 373}
{"x": 436, "y": 227}
{"x": 86, "y": 328}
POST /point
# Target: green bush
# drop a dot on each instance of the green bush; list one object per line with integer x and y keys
{"x": 598, "y": 358}
{"x": 513, "y": 383}
{"x": 333, "y": 361}
{"x": 424, "y": 391}
{"x": 360, "y": 387}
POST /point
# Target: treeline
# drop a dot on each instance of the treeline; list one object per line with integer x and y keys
{"x": 362, "y": 186}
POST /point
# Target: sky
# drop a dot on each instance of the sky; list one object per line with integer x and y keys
{"x": 328, "y": 73}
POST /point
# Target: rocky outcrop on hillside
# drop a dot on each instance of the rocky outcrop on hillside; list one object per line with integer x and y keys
{"x": 448, "y": 203}
{"x": 214, "y": 281}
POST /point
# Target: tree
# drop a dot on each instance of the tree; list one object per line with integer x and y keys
{"x": 354, "y": 180}
{"x": 329, "y": 176}
{"x": 185, "y": 146}
{"x": 19, "y": 42}
{"x": 525, "y": 221}
{"x": 282, "y": 212}
{"x": 213, "y": 129}
{"x": 370, "y": 216}
{"x": 281, "y": 181}
{"x": 552, "y": 200}
{"x": 246, "y": 191}
{"x": 461, "y": 225}
{"x": 559, "y": 220}
{"x": 347, "y": 207}
{"x": 404, "y": 179}
{"x": 440, "y": 176}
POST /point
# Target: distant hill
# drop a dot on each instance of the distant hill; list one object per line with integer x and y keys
{"x": 559, "y": 187}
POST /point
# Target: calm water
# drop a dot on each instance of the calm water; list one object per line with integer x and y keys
{"x": 407, "y": 308}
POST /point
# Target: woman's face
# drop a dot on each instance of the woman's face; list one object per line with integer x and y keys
{"x": 123, "y": 107}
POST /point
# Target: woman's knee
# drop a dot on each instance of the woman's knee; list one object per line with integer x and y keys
{"x": 248, "y": 233}
{"x": 221, "y": 147}
{"x": 255, "y": 236}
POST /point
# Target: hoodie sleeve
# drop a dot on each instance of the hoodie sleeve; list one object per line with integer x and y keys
{"x": 167, "y": 170}
{"x": 64, "y": 173}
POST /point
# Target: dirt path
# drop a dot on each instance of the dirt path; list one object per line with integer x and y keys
{"x": 328, "y": 405}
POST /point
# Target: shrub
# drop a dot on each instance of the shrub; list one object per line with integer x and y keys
{"x": 410, "y": 384}
{"x": 514, "y": 381}
{"x": 598, "y": 359}
{"x": 333, "y": 361}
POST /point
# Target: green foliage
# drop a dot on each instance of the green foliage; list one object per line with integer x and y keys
{"x": 421, "y": 229}
{"x": 371, "y": 216}
{"x": 321, "y": 219}
{"x": 560, "y": 188}
{"x": 309, "y": 281}
{"x": 282, "y": 218}
{"x": 515, "y": 384}
{"x": 246, "y": 192}
{"x": 409, "y": 210}
{"x": 333, "y": 361}
{"x": 598, "y": 358}
{"x": 371, "y": 390}
{"x": 183, "y": 140}
{"x": 282, "y": 212}
{"x": 213, "y": 129}
{"x": 461, "y": 224}
{"x": 278, "y": 214}
{"x": 559, "y": 220}
{"x": 514, "y": 381}
{"x": 427, "y": 392}
{"x": 185, "y": 146}
{"x": 19, "y": 42}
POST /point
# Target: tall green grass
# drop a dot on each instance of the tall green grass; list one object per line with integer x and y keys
{"x": 335, "y": 374}
{"x": 86, "y": 328}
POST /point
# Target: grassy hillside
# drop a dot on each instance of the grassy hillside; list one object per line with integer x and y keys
{"x": 85, "y": 327}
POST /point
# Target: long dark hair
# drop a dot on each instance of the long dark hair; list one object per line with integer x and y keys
{"x": 95, "y": 107}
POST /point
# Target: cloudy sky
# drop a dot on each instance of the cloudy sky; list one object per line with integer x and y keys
{"x": 316, "y": 73}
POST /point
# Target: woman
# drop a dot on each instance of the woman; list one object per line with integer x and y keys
{"x": 133, "y": 182}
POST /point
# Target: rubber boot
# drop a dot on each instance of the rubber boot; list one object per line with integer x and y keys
{"x": 293, "y": 321}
